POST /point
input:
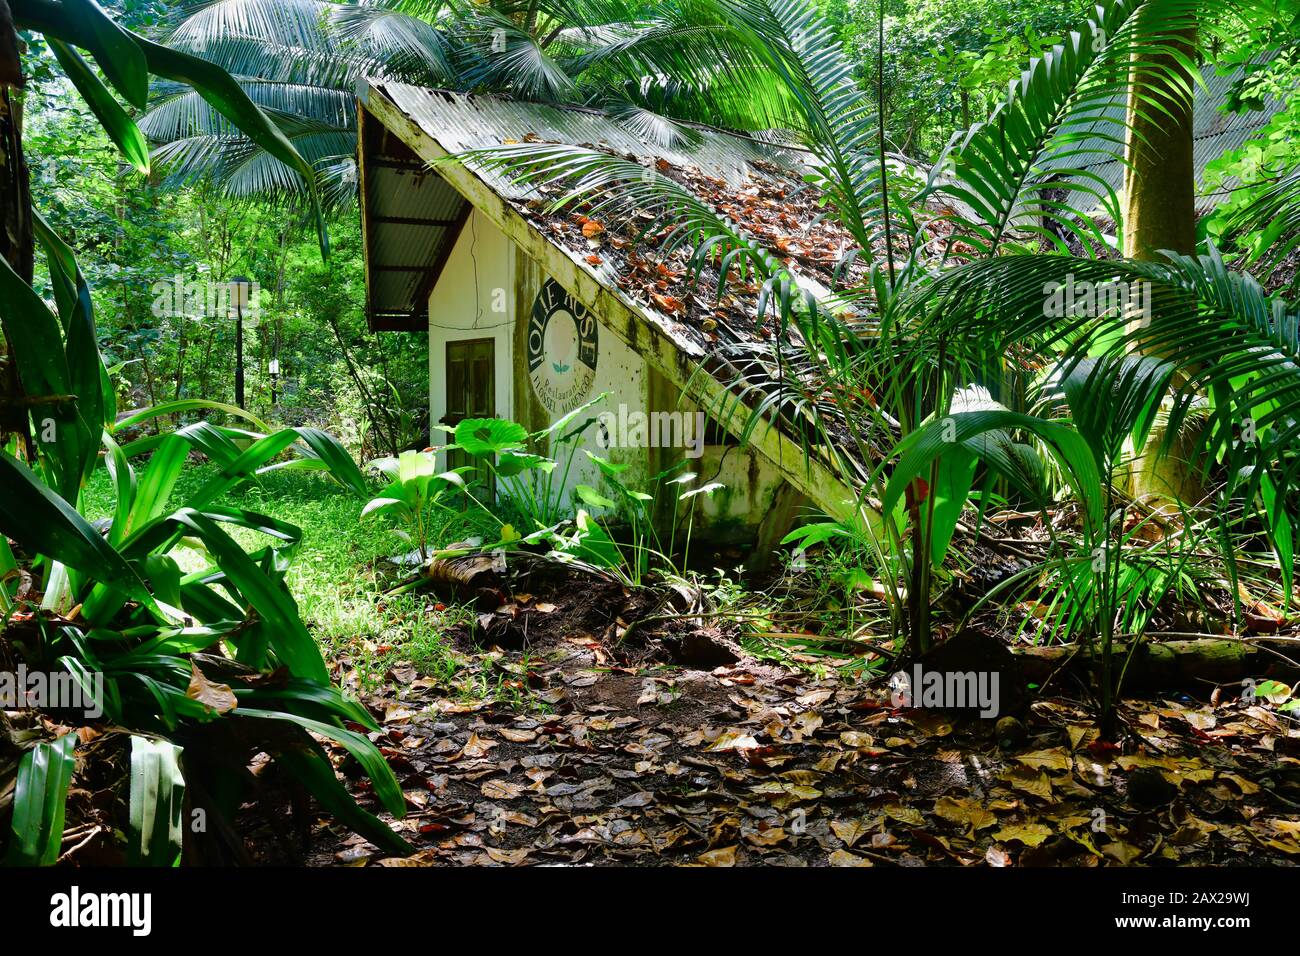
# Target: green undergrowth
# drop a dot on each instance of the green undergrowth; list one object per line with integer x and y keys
{"x": 333, "y": 576}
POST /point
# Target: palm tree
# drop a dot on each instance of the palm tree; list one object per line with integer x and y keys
{"x": 647, "y": 64}
{"x": 952, "y": 357}
{"x": 119, "y": 580}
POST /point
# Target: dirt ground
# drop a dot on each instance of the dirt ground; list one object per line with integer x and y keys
{"x": 597, "y": 751}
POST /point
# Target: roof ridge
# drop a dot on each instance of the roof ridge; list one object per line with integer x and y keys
{"x": 587, "y": 110}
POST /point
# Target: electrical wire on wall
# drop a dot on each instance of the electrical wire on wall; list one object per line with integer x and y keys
{"x": 478, "y": 299}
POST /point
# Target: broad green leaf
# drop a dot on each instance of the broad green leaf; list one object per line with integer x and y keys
{"x": 187, "y": 405}
{"x": 121, "y": 128}
{"x": 40, "y": 796}
{"x": 372, "y": 761}
{"x": 114, "y": 49}
{"x": 592, "y": 497}
{"x": 482, "y": 437}
{"x": 157, "y": 803}
{"x": 44, "y": 523}
{"x": 312, "y": 769}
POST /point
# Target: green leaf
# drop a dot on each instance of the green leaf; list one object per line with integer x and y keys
{"x": 288, "y": 636}
{"x": 334, "y": 458}
{"x": 512, "y": 463}
{"x": 121, "y": 128}
{"x": 124, "y": 488}
{"x": 591, "y": 542}
{"x": 813, "y": 534}
{"x": 312, "y": 768}
{"x": 35, "y": 337}
{"x": 481, "y": 437}
{"x": 383, "y": 506}
{"x": 942, "y": 436}
{"x": 44, "y": 523}
{"x": 220, "y": 89}
{"x": 157, "y": 803}
{"x": 956, "y": 472}
{"x": 187, "y": 405}
{"x": 40, "y": 796}
{"x": 372, "y": 761}
{"x": 85, "y": 366}
{"x": 155, "y": 485}
{"x": 115, "y": 50}
{"x": 1280, "y": 532}
{"x": 591, "y": 496}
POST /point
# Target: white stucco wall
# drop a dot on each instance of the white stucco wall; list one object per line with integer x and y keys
{"x": 485, "y": 290}
{"x": 465, "y": 305}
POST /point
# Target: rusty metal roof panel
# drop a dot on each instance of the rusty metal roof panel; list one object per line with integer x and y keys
{"x": 1214, "y": 130}
{"x": 463, "y": 122}
{"x": 411, "y": 214}
{"x": 411, "y": 217}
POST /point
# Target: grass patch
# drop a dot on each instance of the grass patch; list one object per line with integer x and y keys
{"x": 332, "y": 576}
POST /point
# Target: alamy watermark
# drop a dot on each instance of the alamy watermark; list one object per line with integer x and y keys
{"x": 88, "y": 908}
{"x": 178, "y": 298}
{"x": 59, "y": 690}
{"x": 1081, "y": 298}
{"x": 957, "y": 690}
{"x": 636, "y": 429}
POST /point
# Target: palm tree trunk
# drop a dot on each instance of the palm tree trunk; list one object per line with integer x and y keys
{"x": 16, "y": 237}
{"x": 1160, "y": 214}
{"x": 1160, "y": 180}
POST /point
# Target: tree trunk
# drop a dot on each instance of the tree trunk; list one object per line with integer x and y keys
{"x": 1162, "y": 665}
{"x": 1160, "y": 180}
{"x": 1160, "y": 214}
{"x": 16, "y": 237}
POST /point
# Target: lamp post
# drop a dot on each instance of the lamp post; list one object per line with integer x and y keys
{"x": 239, "y": 291}
{"x": 273, "y": 367}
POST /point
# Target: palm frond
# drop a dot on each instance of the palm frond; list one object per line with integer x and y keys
{"x": 404, "y": 44}
{"x": 1024, "y": 167}
{"x": 1269, "y": 227}
{"x": 185, "y": 113}
{"x": 838, "y": 119}
{"x": 647, "y": 125}
{"x": 288, "y": 23}
{"x": 1214, "y": 334}
{"x": 499, "y": 55}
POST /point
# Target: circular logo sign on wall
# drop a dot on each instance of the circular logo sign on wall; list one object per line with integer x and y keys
{"x": 562, "y": 349}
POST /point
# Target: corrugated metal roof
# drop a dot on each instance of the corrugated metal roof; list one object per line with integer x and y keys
{"x": 462, "y": 122}
{"x": 410, "y": 219}
{"x": 404, "y": 257}
{"x": 1214, "y": 132}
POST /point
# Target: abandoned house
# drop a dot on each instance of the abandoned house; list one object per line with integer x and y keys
{"x": 531, "y": 314}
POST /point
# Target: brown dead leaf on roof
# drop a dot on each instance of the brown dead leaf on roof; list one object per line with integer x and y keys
{"x": 668, "y": 303}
